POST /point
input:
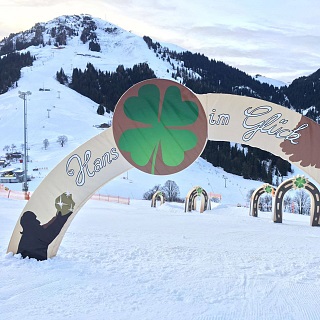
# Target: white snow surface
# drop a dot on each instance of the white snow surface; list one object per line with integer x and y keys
{"x": 270, "y": 81}
{"x": 137, "y": 262}
{"x": 123, "y": 262}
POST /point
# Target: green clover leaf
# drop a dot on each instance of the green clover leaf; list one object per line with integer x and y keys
{"x": 199, "y": 191}
{"x": 268, "y": 189}
{"x": 158, "y": 126}
{"x": 300, "y": 182}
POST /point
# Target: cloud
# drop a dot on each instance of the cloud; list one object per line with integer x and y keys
{"x": 39, "y": 3}
{"x": 256, "y": 49}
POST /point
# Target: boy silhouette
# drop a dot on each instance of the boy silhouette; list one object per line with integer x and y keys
{"x": 35, "y": 237}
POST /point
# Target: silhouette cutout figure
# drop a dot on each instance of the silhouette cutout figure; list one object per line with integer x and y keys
{"x": 35, "y": 237}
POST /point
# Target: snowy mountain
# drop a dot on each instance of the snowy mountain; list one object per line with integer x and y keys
{"x": 119, "y": 47}
{"x": 71, "y": 36}
{"x": 55, "y": 110}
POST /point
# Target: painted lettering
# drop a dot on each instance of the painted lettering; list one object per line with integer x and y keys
{"x": 269, "y": 126}
{"x": 223, "y": 118}
{"x": 82, "y": 165}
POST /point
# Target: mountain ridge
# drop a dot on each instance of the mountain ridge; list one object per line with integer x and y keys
{"x": 101, "y": 37}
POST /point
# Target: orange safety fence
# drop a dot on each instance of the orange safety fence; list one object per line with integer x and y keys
{"x": 215, "y": 195}
{"x": 13, "y": 194}
{"x": 5, "y": 192}
{"x": 103, "y": 197}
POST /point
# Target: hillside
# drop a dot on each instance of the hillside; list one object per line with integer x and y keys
{"x": 304, "y": 94}
{"x": 120, "y": 48}
{"x": 106, "y": 47}
{"x": 75, "y": 116}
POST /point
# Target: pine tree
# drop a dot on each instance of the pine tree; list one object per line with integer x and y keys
{"x": 100, "y": 110}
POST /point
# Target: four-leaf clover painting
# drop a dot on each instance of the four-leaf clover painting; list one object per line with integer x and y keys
{"x": 160, "y": 126}
{"x": 268, "y": 188}
{"x": 300, "y": 182}
{"x": 199, "y": 191}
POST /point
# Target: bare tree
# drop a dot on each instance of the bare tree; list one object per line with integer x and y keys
{"x": 302, "y": 202}
{"x": 287, "y": 203}
{"x": 266, "y": 202}
{"x": 6, "y": 148}
{"x": 13, "y": 147}
{"x": 45, "y": 143}
{"x": 171, "y": 191}
{"x": 149, "y": 194}
{"x": 62, "y": 140}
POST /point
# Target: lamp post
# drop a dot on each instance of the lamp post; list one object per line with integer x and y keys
{"x": 48, "y": 112}
{"x": 225, "y": 181}
{"x": 23, "y": 95}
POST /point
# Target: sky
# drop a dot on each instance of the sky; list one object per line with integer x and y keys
{"x": 277, "y": 39}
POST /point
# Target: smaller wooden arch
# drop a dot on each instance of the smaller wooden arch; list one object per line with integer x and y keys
{"x": 191, "y": 200}
{"x": 299, "y": 182}
{"x": 254, "y": 201}
{"x": 157, "y": 196}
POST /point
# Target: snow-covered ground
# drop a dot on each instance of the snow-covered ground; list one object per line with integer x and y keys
{"x": 137, "y": 262}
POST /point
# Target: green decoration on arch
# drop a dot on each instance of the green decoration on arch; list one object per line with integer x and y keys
{"x": 300, "y": 182}
{"x": 161, "y": 125}
{"x": 268, "y": 189}
{"x": 199, "y": 191}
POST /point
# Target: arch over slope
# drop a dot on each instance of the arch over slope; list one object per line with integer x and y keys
{"x": 161, "y": 127}
{"x": 254, "y": 201}
{"x": 300, "y": 183}
{"x": 157, "y": 196}
{"x": 191, "y": 199}
{"x": 264, "y": 125}
{"x": 80, "y": 174}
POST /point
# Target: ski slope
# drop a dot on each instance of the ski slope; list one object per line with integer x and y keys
{"x": 136, "y": 262}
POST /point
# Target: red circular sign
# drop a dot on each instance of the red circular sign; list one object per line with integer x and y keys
{"x": 160, "y": 126}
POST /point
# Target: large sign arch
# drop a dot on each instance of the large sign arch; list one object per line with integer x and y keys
{"x": 160, "y": 127}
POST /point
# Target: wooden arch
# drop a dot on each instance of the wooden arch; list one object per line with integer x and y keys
{"x": 239, "y": 119}
{"x": 157, "y": 196}
{"x": 254, "y": 201}
{"x": 299, "y": 182}
{"x": 191, "y": 200}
